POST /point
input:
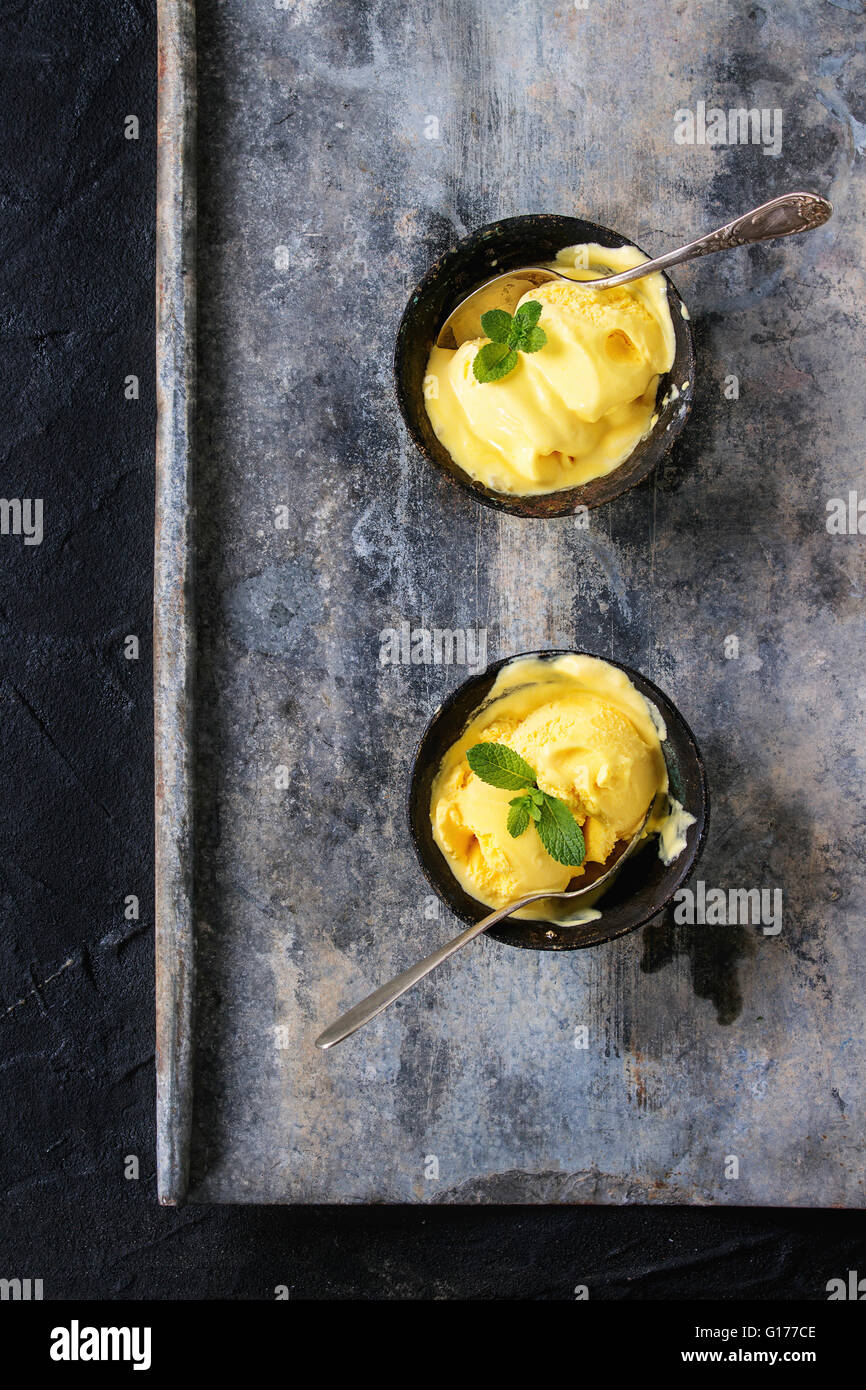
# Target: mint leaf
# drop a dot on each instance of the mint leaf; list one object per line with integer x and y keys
{"x": 528, "y": 314}
{"x": 508, "y": 337}
{"x": 518, "y": 816}
{"x": 560, "y": 833}
{"x": 496, "y": 323}
{"x": 533, "y": 339}
{"x": 494, "y": 361}
{"x": 500, "y": 766}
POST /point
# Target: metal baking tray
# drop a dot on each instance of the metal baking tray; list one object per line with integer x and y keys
{"x": 341, "y": 148}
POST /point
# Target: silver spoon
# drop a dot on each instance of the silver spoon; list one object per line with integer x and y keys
{"x": 794, "y": 212}
{"x": 379, "y": 1000}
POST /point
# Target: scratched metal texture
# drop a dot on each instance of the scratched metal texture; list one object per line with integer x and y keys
{"x": 704, "y": 1042}
{"x": 174, "y": 632}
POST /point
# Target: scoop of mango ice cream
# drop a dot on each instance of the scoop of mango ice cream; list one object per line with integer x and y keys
{"x": 589, "y": 740}
{"x": 589, "y": 754}
{"x": 602, "y": 346}
{"x": 571, "y": 411}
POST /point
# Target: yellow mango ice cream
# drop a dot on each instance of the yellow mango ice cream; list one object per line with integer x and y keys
{"x": 591, "y": 739}
{"x": 573, "y": 410}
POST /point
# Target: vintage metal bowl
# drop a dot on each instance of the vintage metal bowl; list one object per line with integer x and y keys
{"x": 644, "y": 886}
{"x": 501, "y": 246}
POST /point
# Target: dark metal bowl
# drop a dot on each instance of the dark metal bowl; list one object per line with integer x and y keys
{"x": 643, "y": 887}
{"x": 502, "y": 246}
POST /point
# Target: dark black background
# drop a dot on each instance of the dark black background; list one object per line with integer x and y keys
{"x": 76, "y": 977}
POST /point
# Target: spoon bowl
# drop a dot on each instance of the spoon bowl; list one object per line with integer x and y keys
{"x": 500, "y": 292}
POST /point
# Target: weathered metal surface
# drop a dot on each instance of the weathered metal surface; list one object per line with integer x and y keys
{"x": 344, "y": 148}
{"x": 173, "y": 619}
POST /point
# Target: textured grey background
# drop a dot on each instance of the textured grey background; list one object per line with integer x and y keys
{"x": 704, "y": 1043}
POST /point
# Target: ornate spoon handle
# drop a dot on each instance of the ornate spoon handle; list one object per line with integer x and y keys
{"x": 794, "y": 212}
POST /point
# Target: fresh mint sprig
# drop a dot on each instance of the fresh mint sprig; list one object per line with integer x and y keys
{"x": 508, "y": 336}
{"x": 559, "y": 832}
